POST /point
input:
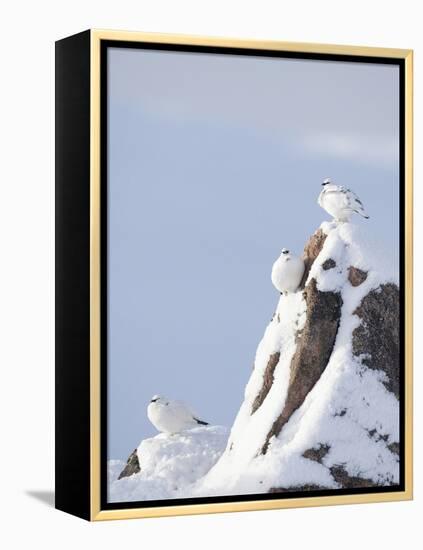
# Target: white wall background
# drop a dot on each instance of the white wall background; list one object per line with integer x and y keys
{"x": 28, "y": 32}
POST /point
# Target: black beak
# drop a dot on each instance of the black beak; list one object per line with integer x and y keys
{"x": 153, "y": 400}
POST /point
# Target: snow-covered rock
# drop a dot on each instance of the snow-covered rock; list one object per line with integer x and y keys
{"x": 321, "y": 407}
{"x": 168, "y": 465}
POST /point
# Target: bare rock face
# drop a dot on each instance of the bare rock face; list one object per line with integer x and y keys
{"x": 376, "y": 339}
{"x": 394, "y": 448}
{"x": 316, "y": 454}
{"x": 313, "y": 351}
{"x": 356, "y": 276}
{"x": 132, "y": 465}
{"x": 346, "y": 481}
{"x": 267, "y": 381}
{"x": 328, "y": 264}
{"x": 311, "y": 250}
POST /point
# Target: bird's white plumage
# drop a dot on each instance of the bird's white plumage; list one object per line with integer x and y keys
{"x": 170, "y": 416}
{"x": 340, "y": 202}
{"x": 287, "y": 272}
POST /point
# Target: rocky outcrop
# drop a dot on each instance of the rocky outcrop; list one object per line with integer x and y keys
{"x": 376, "y": 339}
{"x": 313, "y": 351}
{"x": 342, "y": 283}
{"x": 132, "y": 465}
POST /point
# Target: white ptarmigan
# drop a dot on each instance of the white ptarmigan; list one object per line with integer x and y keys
{"x": 340, "y": 202}
{"x": 170, "y": 416}
{"x": 287, "y": 272}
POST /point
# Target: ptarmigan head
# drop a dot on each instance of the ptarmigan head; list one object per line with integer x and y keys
{"x": 326, "y": 181}
{"x": 159, "y": 400}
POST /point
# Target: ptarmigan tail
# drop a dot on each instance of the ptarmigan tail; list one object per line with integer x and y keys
{"x": 356, "y": 204}
{"x": 201, "y": 422}
{"x": 362, "y": 213}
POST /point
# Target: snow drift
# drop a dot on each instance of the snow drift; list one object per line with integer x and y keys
{"x": 321, "y": 408}
{"x": 168, "y": 465}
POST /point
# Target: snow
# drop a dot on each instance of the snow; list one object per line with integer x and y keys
{"x": 170, "y": 464}
{"x": 348, "y": 410}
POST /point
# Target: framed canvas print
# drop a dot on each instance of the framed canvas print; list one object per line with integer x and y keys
{"x": 233, "y": 275}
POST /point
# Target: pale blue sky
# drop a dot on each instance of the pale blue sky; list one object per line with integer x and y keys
{"x": 215, "y": 164}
